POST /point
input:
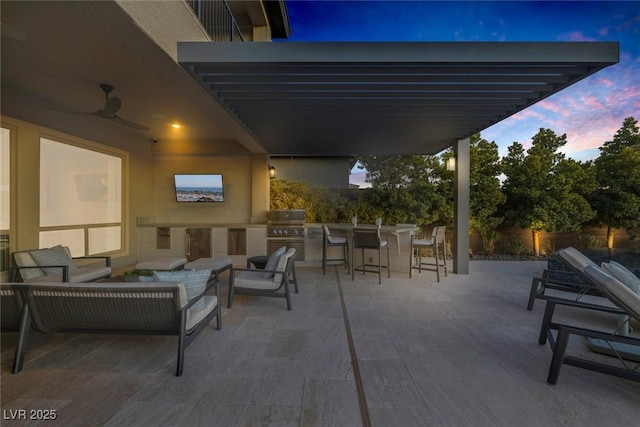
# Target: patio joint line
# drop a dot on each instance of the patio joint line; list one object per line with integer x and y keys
{"x": 357, "y": 377}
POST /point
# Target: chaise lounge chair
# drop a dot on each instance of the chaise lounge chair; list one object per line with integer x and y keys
{"x": 570, "y": 280}
{"x": 626, "y": 301}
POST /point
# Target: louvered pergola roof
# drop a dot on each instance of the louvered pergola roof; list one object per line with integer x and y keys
{"x": 344, "y": 98}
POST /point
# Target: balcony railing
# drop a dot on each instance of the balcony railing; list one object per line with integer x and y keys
{"x": 217, "y": 19}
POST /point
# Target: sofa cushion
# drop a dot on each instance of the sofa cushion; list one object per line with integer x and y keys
{"x": 195, "y": 317}
{"x": 56, "y": 255}
{"x": 272, "y": 262}
{"x": 24, "y": 259}
{"x": 195, "y": 282}
{"x": 78, "y": 275}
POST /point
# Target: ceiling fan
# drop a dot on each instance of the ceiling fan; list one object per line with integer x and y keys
{"x": 111, "y": 107}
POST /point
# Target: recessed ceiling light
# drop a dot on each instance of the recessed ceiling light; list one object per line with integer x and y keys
{"x": 176, "y": 125}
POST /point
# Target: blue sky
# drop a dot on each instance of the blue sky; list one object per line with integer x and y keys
{"x": 589, "y": 112}
{"x": 198, "y": 180}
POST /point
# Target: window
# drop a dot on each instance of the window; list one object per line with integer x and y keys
{"x": 80, "y": 198}
{"x": 5, "y": 197}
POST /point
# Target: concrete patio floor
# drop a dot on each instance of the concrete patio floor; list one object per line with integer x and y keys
{"x": 462, "y": 352}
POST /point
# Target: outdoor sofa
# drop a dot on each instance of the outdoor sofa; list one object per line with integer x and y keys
{"x": 56, "y": 264}
{"x": 161, "y": 308}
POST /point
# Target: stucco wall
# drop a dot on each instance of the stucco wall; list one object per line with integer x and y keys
{"x": 236, "y": 207}
{"x": 149, "y": 192}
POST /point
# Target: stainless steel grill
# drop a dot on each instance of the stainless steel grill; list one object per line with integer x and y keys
{"x": 286, "y": 227}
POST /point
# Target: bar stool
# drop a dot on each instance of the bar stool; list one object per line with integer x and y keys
{"x": 369, "y": 239}
{"x": 418, "y": 244}
{"x": 329, "y": 241}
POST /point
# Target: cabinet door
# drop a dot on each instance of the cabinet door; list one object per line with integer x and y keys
{"x": 198, "y": 243}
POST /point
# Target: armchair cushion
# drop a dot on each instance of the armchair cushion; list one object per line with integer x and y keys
{"x": 282, "y": 265}
{"x": 272, "y": 262}
{"x": 56, "y": 255}
{"x": 195, "y": 283}
{"x": 254, "y": 280}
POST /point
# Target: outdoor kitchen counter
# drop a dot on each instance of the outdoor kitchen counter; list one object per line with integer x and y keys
{"x": 203, "y": 224}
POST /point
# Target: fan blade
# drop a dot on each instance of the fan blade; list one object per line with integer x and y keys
{"x": 127, "y": 123}
{"x": 111, "y": 107}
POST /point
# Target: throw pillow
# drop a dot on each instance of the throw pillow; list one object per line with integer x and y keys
{"x": 56, "y": 255}
{"x": 272, "y": 262}
{"x": 621, "y": 273}
{"x": 195, "y": 282}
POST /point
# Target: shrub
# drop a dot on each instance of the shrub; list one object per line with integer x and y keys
{"x": 489, "y": 239}
{"x": 589, "y": 241}
{"x": 321, "y": 205}
{"x": 516, "y": 246}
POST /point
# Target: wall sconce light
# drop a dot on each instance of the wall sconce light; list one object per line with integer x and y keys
{"x": 451, "y": 164}
{"x": 272, "y": 171}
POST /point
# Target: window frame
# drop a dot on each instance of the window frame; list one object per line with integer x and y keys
{"x": 124, "y": 179}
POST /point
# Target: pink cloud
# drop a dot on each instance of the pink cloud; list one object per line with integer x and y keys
{"x": 550, "y": 105}
{"x": 604, "y": 82}
{"x": 575, "y": 36}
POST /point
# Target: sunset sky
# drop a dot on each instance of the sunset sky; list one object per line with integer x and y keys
{"x": 589, "y": 112}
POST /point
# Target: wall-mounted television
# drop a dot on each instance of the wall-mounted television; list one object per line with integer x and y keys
{"x": 199, "y": 188}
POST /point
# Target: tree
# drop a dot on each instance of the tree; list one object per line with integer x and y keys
{"x": 544, "y": 190}
{"x": 485, "y": 194}
{"x": 320, "y": 204}
{"x": 403, "y": 190}
{"x": 617, "y": 198}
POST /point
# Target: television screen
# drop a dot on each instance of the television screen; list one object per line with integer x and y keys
{"x": 200, "y": 188}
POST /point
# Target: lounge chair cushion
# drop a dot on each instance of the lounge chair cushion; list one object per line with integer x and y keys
{"x": 195, "y": 282}
{"x": 621, "y": 273}
{"x": 626, "y": 351}
{"x": 56, "y": 255}
{"x": 272, "y": 262}
{"x": 616, "y": 289}
{"x": 575, "y": 258}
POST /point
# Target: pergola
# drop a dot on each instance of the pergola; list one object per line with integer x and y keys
{"x": 344, "y": 99}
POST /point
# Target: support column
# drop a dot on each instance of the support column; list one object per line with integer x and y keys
{"x": 259, "y": 188}
{"x": 461, "y": 207}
